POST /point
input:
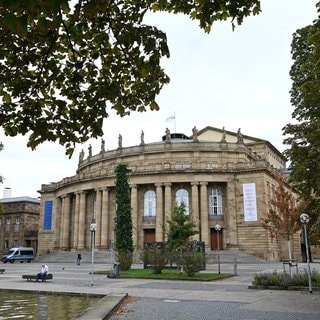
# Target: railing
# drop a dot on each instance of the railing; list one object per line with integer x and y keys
{"x": 30, "y": 233}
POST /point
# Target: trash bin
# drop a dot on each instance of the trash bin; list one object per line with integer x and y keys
{"x": 116, "y": 269}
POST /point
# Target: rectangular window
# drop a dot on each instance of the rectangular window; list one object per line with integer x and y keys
{"x": 149, "y": 204}
{"x": 47, "y": 222}
{"x": 17, "y": 225}
{"x": 8, "y": 225}
{"x": 215, "y": 202}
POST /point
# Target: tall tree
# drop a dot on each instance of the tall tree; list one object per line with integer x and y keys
{"x": 1, "y": 148}
{"x": 282, "y": 219}
{"x": 303, "y": 135}
{"x": 63, "y": 66}
{"x": 123, "y": 219}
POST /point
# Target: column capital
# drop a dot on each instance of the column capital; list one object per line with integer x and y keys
{"x": 167, "y": 184}
{"x": 158, "y": 185}
{"x": 203, "y": 183}
{"x": 194, "y": 183}
{"x": 67, "y": 195}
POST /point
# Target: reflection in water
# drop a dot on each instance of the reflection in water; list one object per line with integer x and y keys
{"x": 42, "y": 307}
{"x": 25, "y": 305}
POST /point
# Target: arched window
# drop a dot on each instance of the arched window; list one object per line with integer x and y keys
{"x": 149, "y": 204}
{"x": 215, "y": 202}
{"x": 182, "y": 195}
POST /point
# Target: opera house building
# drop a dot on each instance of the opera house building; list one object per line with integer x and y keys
{"x": 223, "y": 177}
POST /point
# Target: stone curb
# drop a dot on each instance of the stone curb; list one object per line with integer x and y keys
{"x": 290, "y": 288}
{"x": 104, "y": 308}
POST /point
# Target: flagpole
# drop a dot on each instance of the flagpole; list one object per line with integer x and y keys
{"x": 173, "y": 117}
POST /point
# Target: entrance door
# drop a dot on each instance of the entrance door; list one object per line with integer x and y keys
{"x": 215, "y": 235}
{"x": 149, "y": 235}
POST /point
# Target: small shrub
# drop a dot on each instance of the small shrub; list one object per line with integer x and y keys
{"x": 155, "y": 256}
{"x": 125, "y": 260}
{"x": 192, "y": 262}
{"x": 271, "y": 279}
{"x": 285, "y": 281}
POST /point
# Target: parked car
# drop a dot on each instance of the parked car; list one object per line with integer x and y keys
{"x": 21, "y": 254}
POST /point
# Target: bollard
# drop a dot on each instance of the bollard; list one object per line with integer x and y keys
{"x": 235, "y": 266}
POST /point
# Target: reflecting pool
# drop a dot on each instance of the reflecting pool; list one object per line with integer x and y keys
{"x": 29, "y": 305}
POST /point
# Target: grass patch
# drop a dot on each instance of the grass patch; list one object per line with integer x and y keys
{"x": 167, "y": 274}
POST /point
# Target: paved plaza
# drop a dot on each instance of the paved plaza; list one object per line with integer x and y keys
{"x": 158, "y": 299}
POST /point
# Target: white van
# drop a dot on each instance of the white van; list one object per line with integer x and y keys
{"x": 18, "y": 254}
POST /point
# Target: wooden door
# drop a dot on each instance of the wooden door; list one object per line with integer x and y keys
{"x": 215, "y": 235}
{"x": 149, "y": 235}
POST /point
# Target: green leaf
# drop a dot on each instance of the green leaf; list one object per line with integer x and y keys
{"x": 7, "y": 98}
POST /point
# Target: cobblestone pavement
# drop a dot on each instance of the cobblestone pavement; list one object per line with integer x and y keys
{"x": 153, "y": 309}
{"x": 158, "y": 299}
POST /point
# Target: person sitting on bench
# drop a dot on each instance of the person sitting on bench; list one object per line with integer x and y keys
{"x": 43, "y": 273}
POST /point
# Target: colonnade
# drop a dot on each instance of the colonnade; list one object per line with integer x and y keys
{"x": 75, "y": 217}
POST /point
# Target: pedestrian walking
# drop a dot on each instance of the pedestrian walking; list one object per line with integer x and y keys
{"x": 79, "y": 259}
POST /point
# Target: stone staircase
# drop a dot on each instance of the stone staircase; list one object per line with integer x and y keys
{"x": 109, "y": 257}
{"x": 229, "y": 256}
{"x": 100, "y": 256}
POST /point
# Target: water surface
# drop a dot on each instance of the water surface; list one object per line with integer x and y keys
{"x": 25, "y": 305}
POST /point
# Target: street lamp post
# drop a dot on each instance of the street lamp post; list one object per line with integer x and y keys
{"x": 93, "y": 228}
{"x": 218, "y": 228}
{"x": 304, "y": 218}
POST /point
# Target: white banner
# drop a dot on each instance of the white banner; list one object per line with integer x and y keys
{"x": 249, "y": 202}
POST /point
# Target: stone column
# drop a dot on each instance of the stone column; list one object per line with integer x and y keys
{"x": 231, "y": 219}
{"x": 56, "y": 226}
{"x": 104, "y": 219}
{"x": 98, "y": 219}
{"x": 65, "y": 221}
{"x": 159, "y": 213}
{"x": 63, "y": 202}
{"x": 204, "y": 217}
{"x": 111, "y": 216}
{"x": 76, "y": 222}
{"x": 134, "y": 214}
{"x": 82, "y": 220}
{"x": 195, "y": 207}
{"x": 167, "y": 202}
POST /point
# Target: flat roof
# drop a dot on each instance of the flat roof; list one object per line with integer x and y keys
{"x": 19, "y": 199}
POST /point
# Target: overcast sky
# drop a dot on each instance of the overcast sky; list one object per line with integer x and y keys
{"x": 232, "y": 79}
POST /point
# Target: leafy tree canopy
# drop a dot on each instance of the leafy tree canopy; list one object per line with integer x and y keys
{"x": 181, "y": 228}
{"x": 282, "y": 219}
{"x": 66, "y": 64}
{"x": 303, "y": 134}
{"x": 1, "y": 148}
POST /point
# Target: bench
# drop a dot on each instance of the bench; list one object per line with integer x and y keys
{"x": 31, "y": 277}
{"x": 2, "y": 271}
{"x": 291, "y": 263}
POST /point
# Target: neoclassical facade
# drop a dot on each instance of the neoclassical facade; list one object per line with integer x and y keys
{"x": 223, "y": 177}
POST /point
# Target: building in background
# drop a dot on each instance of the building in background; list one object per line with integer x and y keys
{"x": 223, "y": 177}
{"x": 19, "y": 222}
